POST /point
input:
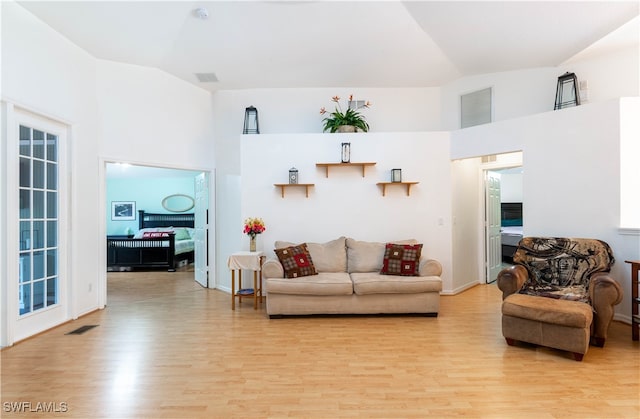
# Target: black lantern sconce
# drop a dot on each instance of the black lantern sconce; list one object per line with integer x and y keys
{"x": 293, "y": 176}
{"x": 567, "y": 91}
{"x": 396, "y": 175}
{"x": 345, "y": 156}
{"x": 251, "y": 121}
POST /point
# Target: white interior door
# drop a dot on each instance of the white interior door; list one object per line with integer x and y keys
{"x": 201, "y": 251}
{"x": 492, "y": 222}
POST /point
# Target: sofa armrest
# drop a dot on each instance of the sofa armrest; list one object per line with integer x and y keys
{"x": 272, "y": 269}
{"x": 511, "y": 279}
{"x": 605, "y": 293}
{"x": 429, "y": 267}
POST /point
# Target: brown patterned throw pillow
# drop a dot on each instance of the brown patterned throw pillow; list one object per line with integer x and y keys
{"x": 401, "y": 259}
{"x": 296, "y": 261}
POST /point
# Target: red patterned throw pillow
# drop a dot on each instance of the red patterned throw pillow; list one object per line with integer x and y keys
{"x": 401, "y": 259}
{"x": 296, "y": 261}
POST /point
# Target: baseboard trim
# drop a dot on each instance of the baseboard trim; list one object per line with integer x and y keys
{"x": 622, "y": 318}
{"x": 460, "y": 289}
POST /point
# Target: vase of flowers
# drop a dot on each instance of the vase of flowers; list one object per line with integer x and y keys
{"x": 253, "y": 227}
{"x": 345, "y": 121}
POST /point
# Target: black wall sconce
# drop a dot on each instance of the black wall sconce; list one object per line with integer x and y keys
{"x": 251, "y": 121}
{"x": 567, "y": 91}
{"x": 396, "y": 175}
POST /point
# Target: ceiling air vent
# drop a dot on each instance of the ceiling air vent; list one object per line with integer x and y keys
{"x": 206, "y": 77}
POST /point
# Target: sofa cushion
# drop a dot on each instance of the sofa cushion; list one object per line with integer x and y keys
{"x": 296, "y": 261}
{"x": 548, "y": 310}
{"x": 375, "y": 283}
{"x": 324, "y": 283}
{"x": 367, "y": 256}
{"x": 327, "y": 257}
{"x": 401, "y": 259}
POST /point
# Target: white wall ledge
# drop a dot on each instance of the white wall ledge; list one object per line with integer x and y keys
{"x": 629, "y": 231}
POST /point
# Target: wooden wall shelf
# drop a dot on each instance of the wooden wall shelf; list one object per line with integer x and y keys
{"x": 328, "y": 165}
{"x": 408, "y": 184}
{"x": 284, "y": 186}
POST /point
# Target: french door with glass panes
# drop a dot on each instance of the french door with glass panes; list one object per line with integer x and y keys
{"x": 41, "y": 257}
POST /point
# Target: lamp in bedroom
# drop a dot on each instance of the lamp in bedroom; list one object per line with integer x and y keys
{"x": 251, "y": 121}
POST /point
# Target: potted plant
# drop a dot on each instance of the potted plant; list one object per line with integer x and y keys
{"x": 349, "y": 121}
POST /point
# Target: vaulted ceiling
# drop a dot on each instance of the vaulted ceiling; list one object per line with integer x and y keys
{"x": 306, "y": 44}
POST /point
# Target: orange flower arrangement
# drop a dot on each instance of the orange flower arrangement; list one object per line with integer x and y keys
{"x": 253, "y": 226}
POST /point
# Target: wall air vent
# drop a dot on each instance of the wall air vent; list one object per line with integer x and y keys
{"x": 207, "y": 77}
{"x": 356, "y": 104}
{"x": 475, "y": 108}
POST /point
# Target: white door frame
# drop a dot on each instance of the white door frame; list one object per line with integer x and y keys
{"x": 202, "y": 216}
{"x": 102, "y": 248}
{"x": 485, "y": 167}
{"x": 14, "y": 327}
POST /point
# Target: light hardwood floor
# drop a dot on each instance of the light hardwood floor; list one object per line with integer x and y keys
{"x": 167, "y": 348}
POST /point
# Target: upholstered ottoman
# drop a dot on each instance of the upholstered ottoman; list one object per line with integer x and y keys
{"x": 559, "y": 324}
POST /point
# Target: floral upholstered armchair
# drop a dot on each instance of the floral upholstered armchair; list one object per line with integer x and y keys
{"x": 571, "y": 276}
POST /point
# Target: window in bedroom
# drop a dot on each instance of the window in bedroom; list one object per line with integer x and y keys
{"x": 475, "y": 108}
{"x": 38, "y": 214}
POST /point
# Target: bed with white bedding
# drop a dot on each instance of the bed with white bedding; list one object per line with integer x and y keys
{"x": 511, "y": 229}
{"x": 163, "y": 241}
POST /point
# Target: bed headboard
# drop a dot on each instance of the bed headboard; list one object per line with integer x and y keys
{"x": 149, "y": 220}
{"x": 511, "y": 214}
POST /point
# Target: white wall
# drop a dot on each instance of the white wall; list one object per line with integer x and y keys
{"x": 630, "y": 163}
{"x": 149, "y": 116}
{"x": 345, "y": 203}
{"x": 609, "y": 76}
{"x": 467, "y": 240}
{"x": 296, "y": 111}
{"x": 153, "y": 118}
{"x": 571, "y": 178}
{"x": 126, "y": 112}
{"x": 114, "y": 111}
{"x": 45, "y": 73}
{"x": 511, "y": 187}
{"x": 527, "y": 92}
{"x": 514, "y": 94}
{"x": 282, "y": 111}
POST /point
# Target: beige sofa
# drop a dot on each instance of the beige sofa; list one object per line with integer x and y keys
{"x": 349, "y": 282}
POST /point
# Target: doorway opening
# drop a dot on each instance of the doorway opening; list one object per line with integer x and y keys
{"x": 153, "y": 190}
{"x": 502, "y": 211}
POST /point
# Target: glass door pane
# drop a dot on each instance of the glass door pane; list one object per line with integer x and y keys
{"x": 38, "y": 211}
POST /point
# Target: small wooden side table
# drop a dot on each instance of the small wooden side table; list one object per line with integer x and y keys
{"x": 635, "y": 300}
{"x": 250, "y": 261}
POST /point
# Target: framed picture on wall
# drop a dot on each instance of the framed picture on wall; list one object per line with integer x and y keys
{"x": 123, "y": 210}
